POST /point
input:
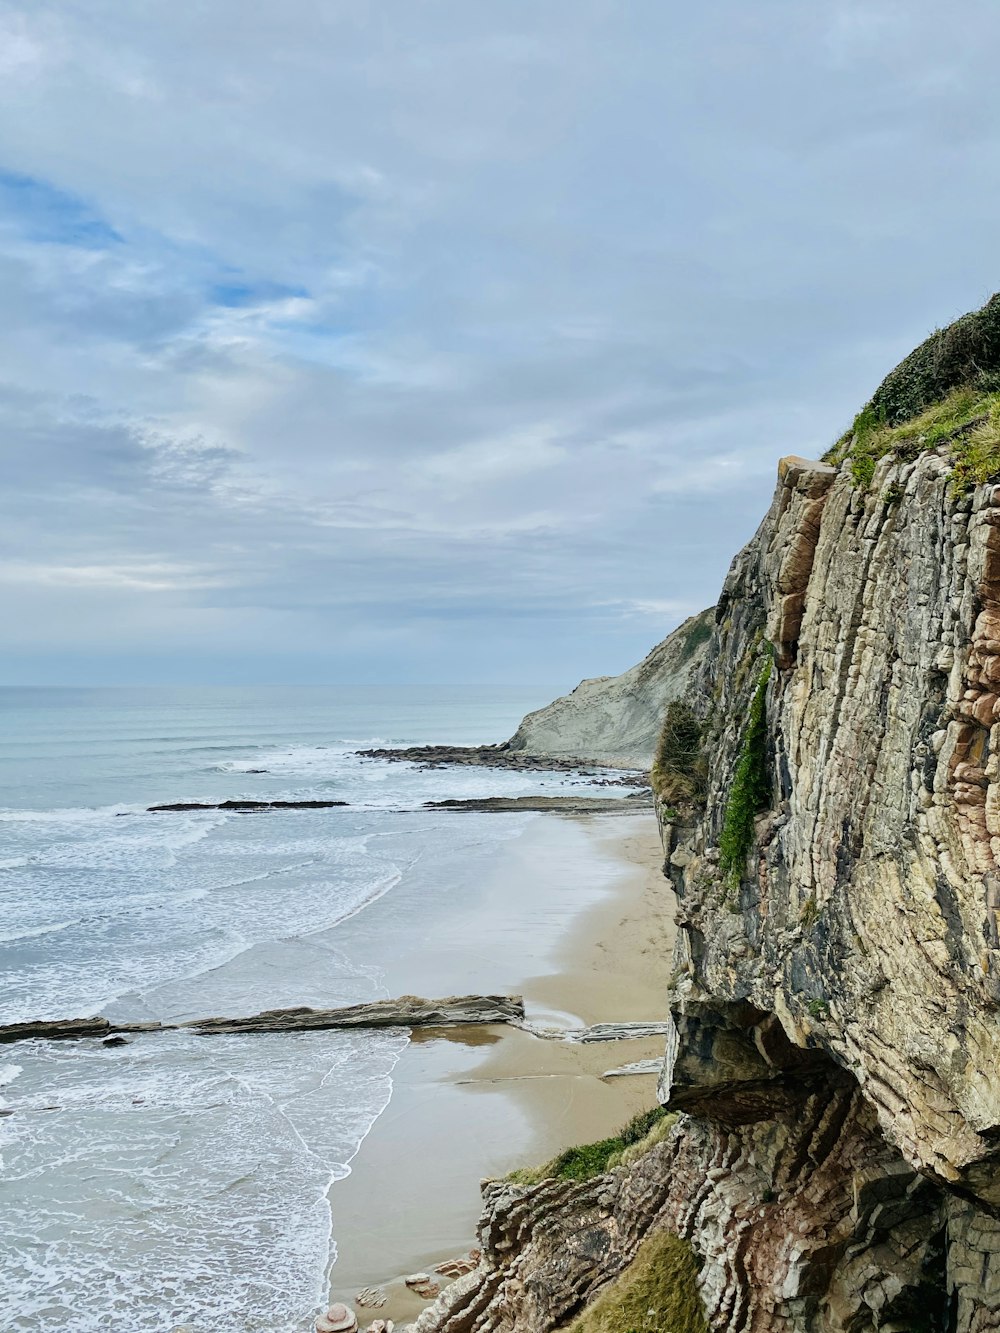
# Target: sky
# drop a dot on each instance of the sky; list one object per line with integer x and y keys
{"x": 427, "y": 340}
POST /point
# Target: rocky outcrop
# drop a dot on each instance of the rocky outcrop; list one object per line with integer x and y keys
{"x": 745, "y": 1193}
{"x": 477, "y": 756}
{"x": 607, "y": 722}
{"x": 615, "y": 720}
{"x": 548, "y": 1248}
{"x": 409, "y": 1011}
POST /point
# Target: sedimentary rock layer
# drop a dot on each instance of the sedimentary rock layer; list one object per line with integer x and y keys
{"x": 408, "y": 1011}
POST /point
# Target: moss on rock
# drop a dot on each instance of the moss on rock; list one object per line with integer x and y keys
{"x": 750, "y": 789}
{"x": 657, "y": 1293}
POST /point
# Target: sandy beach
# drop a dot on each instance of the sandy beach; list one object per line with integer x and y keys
{"x": 586, "y": 899}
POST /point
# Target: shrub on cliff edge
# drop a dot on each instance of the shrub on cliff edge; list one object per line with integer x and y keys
{"x": 679, "y": 770}
{"x": 945, "y": 393}
{"x": 966, "y": 352}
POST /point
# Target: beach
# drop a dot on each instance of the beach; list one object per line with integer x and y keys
{"x": 576, "y": 916}
{"x": 266, "y": 1172}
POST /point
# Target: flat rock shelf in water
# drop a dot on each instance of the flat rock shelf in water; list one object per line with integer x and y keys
{"x": 565, "y": 805}
{"x": 242, "y": 807}
{"x": 407, "y": 1011}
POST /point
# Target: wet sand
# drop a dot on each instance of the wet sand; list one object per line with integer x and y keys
{"x": 586, "y": 899}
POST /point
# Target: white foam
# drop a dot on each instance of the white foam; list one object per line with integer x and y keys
{"x": 11, "y": 936}
{"x": 8, "y": 1073}
{"x": 211, "y": 1163}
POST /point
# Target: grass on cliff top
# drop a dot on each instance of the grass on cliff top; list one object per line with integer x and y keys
{"x": 588, "y": 1160}
{"x": 947, "y": 391}
{"x": 967, "y": 420}
{"x": 657, "y": 1293}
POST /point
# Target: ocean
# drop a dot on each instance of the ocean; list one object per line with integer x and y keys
{"x": 181, "y": 1180}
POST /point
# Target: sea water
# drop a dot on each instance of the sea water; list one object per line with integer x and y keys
{"x": 180, "y": 1180}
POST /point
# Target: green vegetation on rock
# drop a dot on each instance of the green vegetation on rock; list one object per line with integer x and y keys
{"x": 588, "y": 1160}
{"x": 751, "y": 789}
{"x": 679, "y": 772}
{"x": 657, "y": 1293}
{"x": 698, "y": 633}
{"x": 967, "y": 421}
{"x": 946, "y": 392}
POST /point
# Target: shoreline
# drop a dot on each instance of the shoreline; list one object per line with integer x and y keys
{"x": 417, "y": 1172}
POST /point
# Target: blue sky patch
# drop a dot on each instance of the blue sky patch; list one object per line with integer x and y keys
{"x": 48, "y": 214}
{"x": 239, "y": 294}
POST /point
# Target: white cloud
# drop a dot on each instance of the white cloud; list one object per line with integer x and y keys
{"x": 376, "y": 323}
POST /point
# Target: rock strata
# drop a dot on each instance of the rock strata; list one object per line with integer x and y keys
{"x": 850, "y": 950}
{"x": 407, "y": 1012}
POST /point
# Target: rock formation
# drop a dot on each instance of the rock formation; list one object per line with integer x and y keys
{"x": 834, "y": 1053}
{"x": 409, "y": 1011}
{"x": 608, "y": 721}
{"x": 615, "y": 720}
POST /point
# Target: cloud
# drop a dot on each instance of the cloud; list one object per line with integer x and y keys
{"x": 334, "y": 336}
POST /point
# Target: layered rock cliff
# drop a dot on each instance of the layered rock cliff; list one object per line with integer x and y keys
{"x": 836, "y": 865}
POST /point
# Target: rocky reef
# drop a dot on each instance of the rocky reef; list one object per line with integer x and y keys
{"x": 834, "y": 849}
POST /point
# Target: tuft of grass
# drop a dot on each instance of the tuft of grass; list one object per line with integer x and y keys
{"x": 751, "y": 788}
{"x": 810, "y": 913}
{"x": 588, "y": 1160}
{"x": 967, "y": 420}
{"x": 679, "y": 774}
{"x": 657, "y": 1293}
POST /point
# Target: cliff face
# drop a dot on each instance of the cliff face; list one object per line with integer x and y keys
{"x": 615, "y": 720}
{"x": 852, "y": 956}
{"x": 835, "y": 1052}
